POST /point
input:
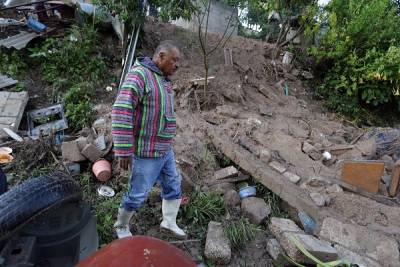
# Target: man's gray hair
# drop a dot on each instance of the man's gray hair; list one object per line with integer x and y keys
{"x": 165, "y": 46}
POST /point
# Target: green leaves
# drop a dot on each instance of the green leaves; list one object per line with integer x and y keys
{"x": 363, "y": 42}
{"x": 78, "y": 105}
{"x": 240, "y": 232}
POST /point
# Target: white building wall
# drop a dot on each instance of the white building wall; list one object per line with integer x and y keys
{"x": 217, "y": 21}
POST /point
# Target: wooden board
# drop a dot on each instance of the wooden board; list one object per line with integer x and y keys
{"x": 363, "y": 174}
{"x": 394, "y": 183}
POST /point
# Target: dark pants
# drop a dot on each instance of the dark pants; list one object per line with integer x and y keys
{"x": 3, "y": 182}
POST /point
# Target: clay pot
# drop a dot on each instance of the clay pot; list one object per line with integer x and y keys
{"x": 102, "y": 170}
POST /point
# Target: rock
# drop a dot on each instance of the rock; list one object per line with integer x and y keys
{"x": 277, "y": 166}
{"x": 389, "y": 162}
{"x": 350, "y": 256}
{"x": 187, "y": 184}
{"x": 320, "y": 249}
{"x": 155, "y": 195}
{"x": 320, "y": 199}
{"x": 232, "y": 198}
{"x": 217, "y": 247}
{"x": 91, "y": 152}
{"x": 295, "y": 72}
{"x": 293, "y": 178}
{"x": 361, "y": 240}
{"x": 70, "y": 152}
{"x": 311, "y": 151}
{"x": 265, "y": 155}
{"x": 276, "y": 252}
{"x": 278, "y": 226}
{"x": 265, "y": 110}
{"x": 367, "y": 148}
{"x": 335, "y": 188}
{"x": 255, "y": 209}
{"x": 221, "y": 188}
{"x": 225, "y": 173}
{"x": 307, "y": 75}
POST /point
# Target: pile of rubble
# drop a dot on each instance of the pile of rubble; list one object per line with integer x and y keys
{"x": 92, "y": 144}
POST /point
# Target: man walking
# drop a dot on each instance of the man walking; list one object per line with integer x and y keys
{"x": 143, "y": 126}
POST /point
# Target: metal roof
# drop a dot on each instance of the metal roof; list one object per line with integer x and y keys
{"x": 18, "y": 41}
{"x": 6, "y": 81}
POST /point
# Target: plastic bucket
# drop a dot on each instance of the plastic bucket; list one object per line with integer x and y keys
{"x": 102, "y": 170}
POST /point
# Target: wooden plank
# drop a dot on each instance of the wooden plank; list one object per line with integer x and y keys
{"x": 276, "y": 182}
{"x": 363, "y": 174}
{"x": 394, "y": 182}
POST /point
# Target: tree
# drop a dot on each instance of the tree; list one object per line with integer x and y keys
{"x": 131, "y": 12}
{"x": 202, "y": 15}
{"x": 290, "y": 12}
{"x": 363, "y": 48}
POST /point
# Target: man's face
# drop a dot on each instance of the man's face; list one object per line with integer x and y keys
{"x": 169, "y": 61}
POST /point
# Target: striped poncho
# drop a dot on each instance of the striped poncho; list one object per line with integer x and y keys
{"x": 143, "y": 117}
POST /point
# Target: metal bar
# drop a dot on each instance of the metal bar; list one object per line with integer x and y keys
{"x": 131, "y": 54}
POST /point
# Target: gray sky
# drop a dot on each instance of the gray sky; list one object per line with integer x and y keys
{"x": 323, "y": 2}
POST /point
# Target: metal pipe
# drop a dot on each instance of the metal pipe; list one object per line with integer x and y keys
{"x": 131, "y": 54}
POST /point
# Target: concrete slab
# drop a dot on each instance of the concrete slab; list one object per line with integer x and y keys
{"x": 12, "y": 105}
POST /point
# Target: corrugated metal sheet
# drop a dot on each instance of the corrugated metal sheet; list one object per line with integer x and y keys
{"x": 18, "y": 41}
{"x": 6, "y": 81}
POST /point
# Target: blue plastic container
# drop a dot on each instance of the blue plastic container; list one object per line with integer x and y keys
{"x": 36, "y": 25}
{"x": 308, "y": 223}
{"x": 248, "y": 191}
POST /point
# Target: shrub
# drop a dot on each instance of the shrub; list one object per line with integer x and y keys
{"x": 363, "y": 44}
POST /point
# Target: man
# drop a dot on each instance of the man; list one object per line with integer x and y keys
{"x": 143, "y": 126}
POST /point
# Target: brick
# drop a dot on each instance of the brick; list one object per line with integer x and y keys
{"x": 361, "y": 240}
{"x": 311, "y": 151}
{"x": 277, "y": 166}
{"x": 278, "y": 226}
{"x": 70, "y": 152}
{"x": 91, "y": 152}
{"x": 363, "y": 174}
{"x": 293, "y": 178}
{"x": 318, "y": 248}
{"x": 225, "y": 173}
{"x": 255, "y": 209}
{"x": 217, "y": 247}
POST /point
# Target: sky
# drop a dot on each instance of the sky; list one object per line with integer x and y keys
{"x": 323, "y": 2}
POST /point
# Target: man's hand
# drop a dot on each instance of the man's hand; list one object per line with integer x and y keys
{"x": 125, "y": 162}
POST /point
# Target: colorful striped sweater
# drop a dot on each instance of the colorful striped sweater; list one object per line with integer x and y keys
{"x": 143, "y": 117}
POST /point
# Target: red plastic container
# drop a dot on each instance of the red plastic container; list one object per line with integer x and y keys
{"x": 138, "y": 251}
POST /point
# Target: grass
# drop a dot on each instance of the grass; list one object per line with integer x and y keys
{"x": 240, "y": 232}
{"x": 203, "y": 208}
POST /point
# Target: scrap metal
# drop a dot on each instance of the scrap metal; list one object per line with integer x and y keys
{"x": 18, "y": 41}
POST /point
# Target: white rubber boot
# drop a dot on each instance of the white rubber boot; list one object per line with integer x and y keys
{"x": 121, "y": 226}
{"x": 170, "y": 210}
